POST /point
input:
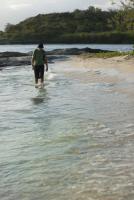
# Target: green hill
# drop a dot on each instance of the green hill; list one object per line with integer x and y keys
{"x": 81, "y": 26}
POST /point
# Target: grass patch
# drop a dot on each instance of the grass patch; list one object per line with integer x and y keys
{"x": 107, "y": 54}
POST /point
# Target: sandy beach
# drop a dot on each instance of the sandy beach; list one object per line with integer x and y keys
{"x": 105, "y": 70}
{"x": 121, "y": 63}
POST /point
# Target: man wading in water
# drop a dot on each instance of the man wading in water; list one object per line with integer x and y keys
{"x": 38, "y": 60}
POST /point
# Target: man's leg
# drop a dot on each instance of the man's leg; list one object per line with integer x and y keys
{"x": 42, "y": 79}
{"x": 36, "y": 74}
{"x": 36, "y": 81}
{"x": 42, "y": 74}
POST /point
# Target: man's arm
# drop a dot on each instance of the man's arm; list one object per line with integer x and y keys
{"x": 33, "y": 60}
{"x": 46, "y": 63}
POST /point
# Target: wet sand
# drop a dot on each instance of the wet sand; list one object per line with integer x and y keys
{"x": 115, "y": 70}
{"x": 120, "y": 63}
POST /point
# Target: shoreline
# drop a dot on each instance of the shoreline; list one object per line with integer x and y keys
{"x": 77, "y": 57}
{"x": 18, "y": 59}
{"x": 122, "y": 63}
{"x": 116, "y": 73}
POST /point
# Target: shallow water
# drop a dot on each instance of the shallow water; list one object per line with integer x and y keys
{"x": 72, "y": 140}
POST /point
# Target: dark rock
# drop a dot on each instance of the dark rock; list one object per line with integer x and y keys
{"x": 17, "y": 58}
{"x": 15, "y": 61}
{"x": 25, "y": 60}
{"x": 74, "y": 51}
{"x": 12, "y": 54}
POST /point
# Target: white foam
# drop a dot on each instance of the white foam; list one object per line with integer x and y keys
{"x": 129, "y": 125}
{"x": 50, "y": 76}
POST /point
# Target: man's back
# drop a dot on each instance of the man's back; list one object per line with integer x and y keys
{"x": 39, "y": 56}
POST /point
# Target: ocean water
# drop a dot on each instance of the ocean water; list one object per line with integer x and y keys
{"x": 72, "y": 140}
{"x": 49, "y": 47}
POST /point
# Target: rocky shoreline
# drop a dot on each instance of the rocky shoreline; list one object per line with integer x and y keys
{"x": 19, "y": 59}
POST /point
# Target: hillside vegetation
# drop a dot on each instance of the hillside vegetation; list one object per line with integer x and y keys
{"x": 81, "y": 26}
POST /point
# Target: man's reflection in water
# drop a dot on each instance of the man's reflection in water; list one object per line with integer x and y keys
{"x": 41, "y": 97}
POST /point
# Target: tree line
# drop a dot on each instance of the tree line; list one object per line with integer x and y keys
{"x": 92, "y": 25}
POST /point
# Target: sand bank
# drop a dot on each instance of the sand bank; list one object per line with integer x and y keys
{"x": 121, "y": 63}
{"x": 118, "y": 72}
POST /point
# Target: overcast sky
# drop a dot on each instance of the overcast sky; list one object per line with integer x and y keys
{"x": 14, "y": 11}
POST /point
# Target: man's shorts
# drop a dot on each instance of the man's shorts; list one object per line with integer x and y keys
{"x": 39, "y": 71}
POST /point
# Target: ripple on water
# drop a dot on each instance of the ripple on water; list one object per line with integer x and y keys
{"x": 68, "y": 141}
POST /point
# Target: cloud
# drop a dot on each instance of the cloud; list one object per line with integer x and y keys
{"x": 104, "y": 5}
{"x": 19, "y": 6}
{"x": 14, "y": 11}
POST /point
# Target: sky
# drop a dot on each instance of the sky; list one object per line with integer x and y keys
{"x": 14, "y": 11}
